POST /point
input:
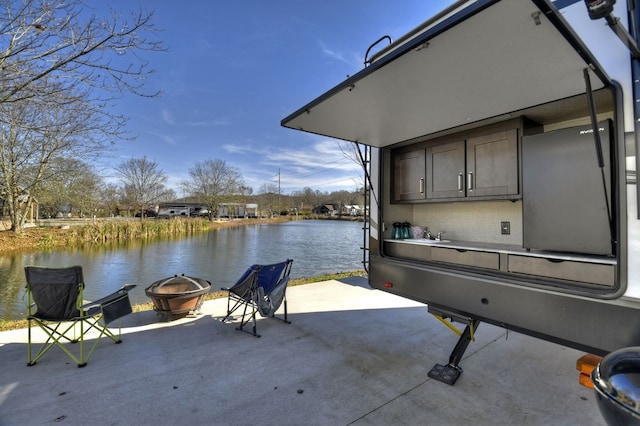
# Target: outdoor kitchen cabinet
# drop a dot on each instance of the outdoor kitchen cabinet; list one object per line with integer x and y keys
{"x": 445, "y": 170}
{"x": 492, "y": 164}
{"x": 480, "y": 166}
{"x": 409, "y": 175}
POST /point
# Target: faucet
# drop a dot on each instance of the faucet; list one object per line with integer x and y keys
{"x": 429, "y": 236}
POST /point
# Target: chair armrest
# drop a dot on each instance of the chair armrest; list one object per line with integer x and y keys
{"x": 89, "y": 305}
{"x": 113, "y": 306}
{"x": 127, "y": 287}
{"x": 109, "y": 298}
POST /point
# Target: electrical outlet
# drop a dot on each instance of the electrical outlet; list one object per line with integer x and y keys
{"x": 505, "y": 228}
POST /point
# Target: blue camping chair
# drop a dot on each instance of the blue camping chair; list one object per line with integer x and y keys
{"x": 262, "y": 288}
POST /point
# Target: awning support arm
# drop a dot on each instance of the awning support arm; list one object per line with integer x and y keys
{"x": 623, "y": 35}
{"x": 598, "y": 142}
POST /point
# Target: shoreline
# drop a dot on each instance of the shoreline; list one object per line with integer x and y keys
{"x": 29, "y": 241}
{"x": 18, "y": 324}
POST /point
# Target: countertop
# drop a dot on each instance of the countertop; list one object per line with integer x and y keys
{"x": 505, "y": 248}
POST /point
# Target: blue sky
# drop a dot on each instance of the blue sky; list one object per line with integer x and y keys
{"x": 234, "y": 69}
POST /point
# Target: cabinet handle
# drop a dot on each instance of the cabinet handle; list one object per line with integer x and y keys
{"x": 460, "y": 182}
{"x": 422, "y": 185}
{"x": 470, "y": 181}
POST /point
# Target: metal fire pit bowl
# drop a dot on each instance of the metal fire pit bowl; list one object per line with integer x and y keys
{"x": 616, "y": 381}
{"x": 176, "y": 296}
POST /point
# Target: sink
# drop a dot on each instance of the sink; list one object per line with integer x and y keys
{"x": 425, "y": 240}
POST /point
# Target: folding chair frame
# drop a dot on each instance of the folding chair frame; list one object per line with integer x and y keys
{"x": 247, "y": 297}
{"x": 95, "y": 315}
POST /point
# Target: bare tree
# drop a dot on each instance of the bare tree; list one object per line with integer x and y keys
{"x": 213, "y": 182}
{"x": 306, "y": 199}
{"x": 143, "y": 182}
{"x": 75, "y": 183}
{"x": 35, "y": 135}
{"x": 269, "y": 198}
{"x": 66, "y": 41}
{"x": 60, "y": 68}
{"x": 109, "y": 199}
{"x": 353, "y": 152}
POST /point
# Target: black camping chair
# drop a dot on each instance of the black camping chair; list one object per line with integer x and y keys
{"x": 262, "y": 288}
{"x": 56, "y": 295}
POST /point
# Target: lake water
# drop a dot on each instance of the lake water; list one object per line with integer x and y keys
{"x": 316, "y": 246}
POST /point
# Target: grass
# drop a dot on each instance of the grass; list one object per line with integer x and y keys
{"x": 6, "y": 325}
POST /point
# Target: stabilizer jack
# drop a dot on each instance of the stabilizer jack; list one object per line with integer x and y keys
{"x": 449, "y": 373}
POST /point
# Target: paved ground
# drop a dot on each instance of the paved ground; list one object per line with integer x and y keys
{"x": 352, "y": 356}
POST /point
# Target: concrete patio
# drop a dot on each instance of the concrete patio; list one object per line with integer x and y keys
{"x": 352, "y": 356}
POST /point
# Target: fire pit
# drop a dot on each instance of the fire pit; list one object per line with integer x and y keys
{"x": 176, "y": 296}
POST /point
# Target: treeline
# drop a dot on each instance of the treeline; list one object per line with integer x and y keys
{"x": 77, "y": 189}
{"x": 85, "y": 193}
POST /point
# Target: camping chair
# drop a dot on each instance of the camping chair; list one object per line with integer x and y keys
{"x": 261, "y": 289}
{"x": 56, "y": 295}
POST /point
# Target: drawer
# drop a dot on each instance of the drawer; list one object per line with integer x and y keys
{"x": 480, "y": 259}
{"x": 583, "y": 272}
{"x": 408, "y": 251}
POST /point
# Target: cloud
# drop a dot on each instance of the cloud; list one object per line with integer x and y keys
{"x": 214, "y": 122}
{"x": 351, "y": 59}
{"x": 238, "y": 149}
{"x": 321, "y": 165}
{"x": 165, "y": 137}
{"x": 167, "y": 116}
{"x": 322, "y": 154}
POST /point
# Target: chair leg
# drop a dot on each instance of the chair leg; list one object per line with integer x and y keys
{"x": 255, "y": 323}
{"x": 231, "y": 309}
{"x": 228, "y": 310}
{"x": 251, "y": 317}
{"x": 104, "y": 330}
{"x": 286, "y": 320}
{"x": 30, "y": 362}
{"x": 56, "y": 337}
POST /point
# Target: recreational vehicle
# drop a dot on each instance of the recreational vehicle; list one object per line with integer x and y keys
{"x": 505, "y": 131}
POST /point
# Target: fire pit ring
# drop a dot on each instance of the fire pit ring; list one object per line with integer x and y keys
{"x": 175, "y": 297}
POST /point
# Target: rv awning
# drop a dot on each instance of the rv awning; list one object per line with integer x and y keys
{"x": 488, "y": 60}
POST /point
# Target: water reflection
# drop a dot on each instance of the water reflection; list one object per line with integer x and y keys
{"x": 317, "y": 247}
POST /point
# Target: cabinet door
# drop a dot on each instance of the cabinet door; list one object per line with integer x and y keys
{"x": 409, "y": 175}
{"x": 492, "y": 164}
{"x": 445, "y": 170}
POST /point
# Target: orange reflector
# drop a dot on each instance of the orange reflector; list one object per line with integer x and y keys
{"x": 585, "y": 380}
{"x": 387, "y": 284}
{"x": 585, "y": 366}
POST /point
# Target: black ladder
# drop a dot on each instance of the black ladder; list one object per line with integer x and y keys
{"x": 364, "y": 152}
